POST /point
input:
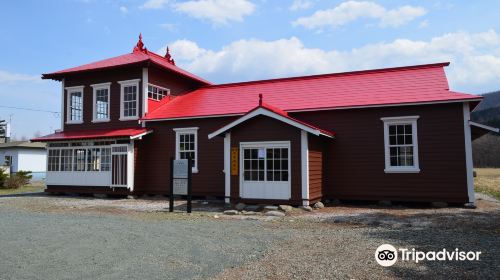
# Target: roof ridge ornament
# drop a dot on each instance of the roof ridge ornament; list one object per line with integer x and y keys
{"x": 169, "y": 57}
{"x": 139, "y": 47}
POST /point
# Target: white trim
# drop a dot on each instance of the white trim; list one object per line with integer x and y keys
{"x": 483, "y": 126}
{"x": 265, "y": 112}
{"x": 96, "y": 87}
{"x": 468, "y": 154}
{"x": 63, "y": 113}
{"x": 145, "y": 84}
{"x": 401, "y": 120}
{"x": 317, "y": 109}
{"x": 123, "y": 84}
{"x": 304, "y": 157}
{"x": 139, "y": 136}
{"x": 187, "y": 130}
{"x": 70, "y": 90}
{"x": 130, "y": 165}
{"x": 227, "y": 167}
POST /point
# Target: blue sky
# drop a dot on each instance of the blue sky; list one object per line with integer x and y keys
{"x": 238, "y": 40}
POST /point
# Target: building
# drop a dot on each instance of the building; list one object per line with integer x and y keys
{"x": 396, "y": 133}
{"x": 24, "y": 156}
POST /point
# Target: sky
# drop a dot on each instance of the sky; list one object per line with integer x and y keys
{"x": 239, "y": 40}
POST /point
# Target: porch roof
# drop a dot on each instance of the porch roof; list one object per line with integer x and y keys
{"x": 131, "y": 133}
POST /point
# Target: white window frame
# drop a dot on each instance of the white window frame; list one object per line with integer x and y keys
{"x": 159, "y": 87}
{"x": 412, "y": 120}
{"x": 127, "y": 83}
{"x": 95, "y": 88}
{"x": 69, "y": 91}
{"x": 187, "y": 130}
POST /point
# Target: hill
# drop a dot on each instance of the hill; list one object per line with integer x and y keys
{"x": 486, "y": 150}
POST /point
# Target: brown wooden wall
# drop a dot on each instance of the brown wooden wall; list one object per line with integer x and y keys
{"x": 152, "y": 167}
{"x": 177, "y": 84}
{"x": 355, "y": 167}
{"x": 263, "y": 128}
{"x": 317, "y": 159}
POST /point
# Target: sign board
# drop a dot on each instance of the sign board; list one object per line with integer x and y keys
{"x": 234, "y": 161}
{"x": 180, "y": 186}
{"x": 180, "y": 169}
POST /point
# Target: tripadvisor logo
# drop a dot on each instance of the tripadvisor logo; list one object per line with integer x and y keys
{"x": 387, "y": 255}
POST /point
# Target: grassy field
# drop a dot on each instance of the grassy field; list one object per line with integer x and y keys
{"x": 34, "y": 187}
{"x": 488, "y": 181}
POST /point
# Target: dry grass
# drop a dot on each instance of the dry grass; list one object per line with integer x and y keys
{"x": 488, "y": 181}
{"x": 33, "y": 187}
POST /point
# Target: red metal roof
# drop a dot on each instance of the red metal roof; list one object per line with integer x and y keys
{"x": 139, "y": 55}
{"x": 92, "y": 134}
{"x": 380, "y": 87}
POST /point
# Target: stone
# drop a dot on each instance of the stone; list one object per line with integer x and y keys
{"x": 439, "y": 204}
{"x": 474, "y": 174}
{"x": 252, "y": 207}
{"x": 132, "y": 197}
{"x": 274, "y": 213}
{"x": 240, "y": 206}
{"x": 318, "y": 205}
{"x": 384, "y": 203}
{"x": 285, "y": 208}
{"x": 231, "y": 212}
{"x": 100, "y": 195}
{"x": 249, "y": 213}
{"x": 306, "y": 208}
{"x": 470, "y": 205}
{"x": 270, "y": 208}
{"x": 216, "y": 216}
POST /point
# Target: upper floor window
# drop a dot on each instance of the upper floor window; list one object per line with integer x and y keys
{"x": 101, "y": 102}
{"x": 401, "y": 146}
{"x": 157, "y": 93}
{"x": 186, "y": 145}
{"x": 75, "y": 104}
{"x": 129, "y": 106}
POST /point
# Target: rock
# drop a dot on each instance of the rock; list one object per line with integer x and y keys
{"x": 231, "y": 212}
{"x": 252, "y": 207}
{"x": 248, "y": 213}
{"x": 100, "y": 195}
{"x": 306, "y": 208}
{"x": 474, "y": 174}
{"x": 274, "y": 213}
{"x": 270, "y": 208}
{"x": 216, "y": 216}
{"x": 285, "y": 208}
{"x": 470, "y": 205}
{"x": 439, "y": 204}
{"x": 384, "y": 203}
{"x": 318, "y": 205}
{"x": 240, "y": 206}
{"x": 132, "y": 197}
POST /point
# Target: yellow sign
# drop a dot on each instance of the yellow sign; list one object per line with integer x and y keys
{"x": 234, "y": 161}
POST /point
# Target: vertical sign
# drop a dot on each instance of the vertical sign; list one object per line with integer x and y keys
{"x": 180, "y": 180}
{"x": 234, "y": 161}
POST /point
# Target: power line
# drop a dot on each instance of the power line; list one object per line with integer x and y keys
{"x": 29, "y": 109}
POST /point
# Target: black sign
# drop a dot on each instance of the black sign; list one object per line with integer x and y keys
{"x": 180, "y": 180}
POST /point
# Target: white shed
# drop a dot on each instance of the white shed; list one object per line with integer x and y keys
{"x": 25, "y": 156}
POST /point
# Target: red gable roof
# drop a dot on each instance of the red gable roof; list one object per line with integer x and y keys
{"x": 381, "y": 87}
{"x": 139, "y": 55}
{"x": 93, "y": 134}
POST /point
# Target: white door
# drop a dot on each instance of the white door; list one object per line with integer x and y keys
{"x": 265, "y": 170}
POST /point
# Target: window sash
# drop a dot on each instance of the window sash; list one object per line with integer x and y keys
{"x": 401, "y": 144}
{"x": 76, "y": 105}
{"x": 102, "y": 104}
{"x": 187, "y": 145}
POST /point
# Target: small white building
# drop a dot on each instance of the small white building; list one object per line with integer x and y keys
{"x": 25, "y": 156}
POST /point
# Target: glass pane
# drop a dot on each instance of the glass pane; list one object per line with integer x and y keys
{"x": 247, "y": 176}
{"x": 392, "y": 129}
{"x": 408, "y": 129}
{"x": 284, "y": 176}
{"x": 400, "y": 129}
{"x": 270, "y": 176}
{"x": 408, "y": 139}
{"x": 284, "y": 153}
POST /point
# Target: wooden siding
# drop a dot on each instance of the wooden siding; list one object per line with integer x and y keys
{"x": 355, "y": 167}
{"x": 178, "y": 85}
{"x": 113, "y": 76}
{"x": 263, "y": 129}
{"x": 317, "y": 146}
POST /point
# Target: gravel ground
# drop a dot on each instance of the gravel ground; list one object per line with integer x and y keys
{"x": 46, "y": 237}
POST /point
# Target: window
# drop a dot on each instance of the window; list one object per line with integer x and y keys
{"x": 66, "y": 160}
{"x": 53, "y": 160}
{"x": 101, "y": 102}
{"x": 266, "y": 164}
{"x": 157, "y": 93}
{"x": 79, "y": 155}
{"x": 129, "y": 100}
{"x": 75, "y": 105}
{"x": 401, "y": 147}
{"x": 105, "y": 159}
{"x": 7, "y": 161}
{"x": 93, "y": 159}
{"x": 186, "y": 140}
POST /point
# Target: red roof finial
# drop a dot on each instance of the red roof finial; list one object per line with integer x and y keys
{"x": 169, "y": 57}
{"x": 260, "y": 99}
{"x": 140, "y": 45}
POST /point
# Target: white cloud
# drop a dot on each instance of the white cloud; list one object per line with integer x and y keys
{"x": 123, "y": 9}
{"x": 154, "y": 5}
{"x": 423, "y": 24}
{"x": 352, "y": 10}
{"x": 300, "y": 5}
{"x": 8, "y": 77}
{"x": 217, "y": 11}
{"x": 475, "y": 57}
{"x": 168, "y": 26}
